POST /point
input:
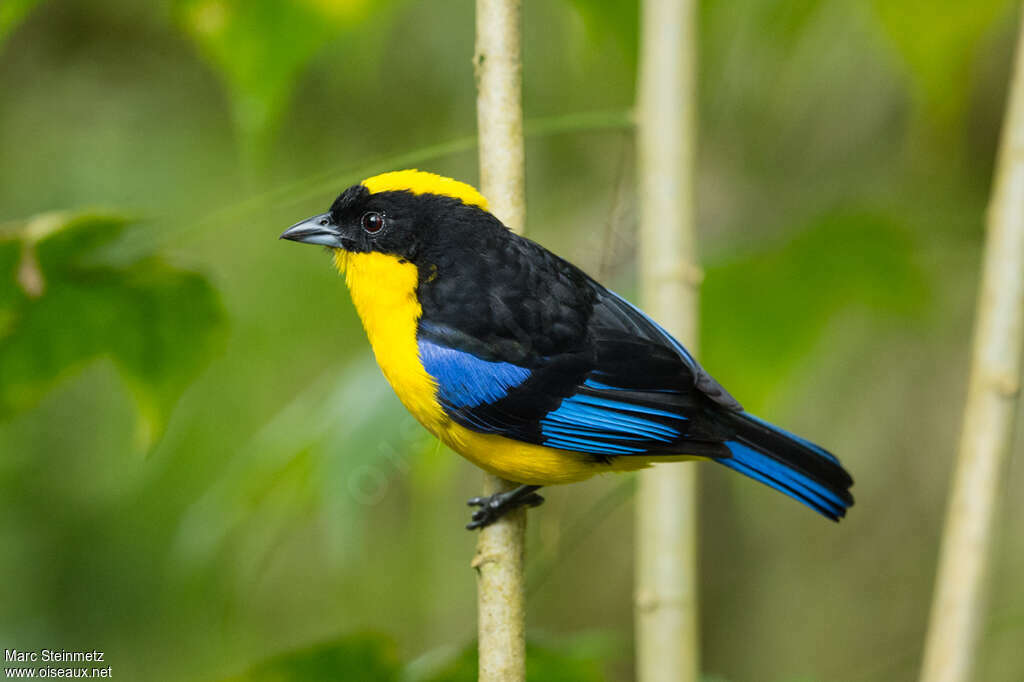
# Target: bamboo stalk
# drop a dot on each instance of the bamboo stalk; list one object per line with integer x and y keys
{"x": 667, "y": 642}
{"x": 500, "y": 547}
{"x": 958, "y": 607}
{"x": 499, "y": 105}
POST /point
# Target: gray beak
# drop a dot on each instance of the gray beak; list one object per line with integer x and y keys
{"x": 316, "y": 230}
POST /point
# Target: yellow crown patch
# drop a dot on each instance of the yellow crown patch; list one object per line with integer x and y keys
{"x": 420, "y": 182}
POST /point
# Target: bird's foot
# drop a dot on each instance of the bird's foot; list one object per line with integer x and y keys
{"x": 494, "y": 507}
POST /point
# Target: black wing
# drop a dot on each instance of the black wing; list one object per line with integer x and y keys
{"x": 539, "y": 352}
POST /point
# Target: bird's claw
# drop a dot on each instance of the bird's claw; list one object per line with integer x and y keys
{"x": 494, "y": 507}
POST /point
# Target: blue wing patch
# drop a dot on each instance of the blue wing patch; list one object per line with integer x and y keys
{"x": 591, "y": 383}
{"x": 603, "y": 426}
{"x": 465, "y": 380}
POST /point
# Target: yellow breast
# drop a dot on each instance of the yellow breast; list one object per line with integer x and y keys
{"x": 383, "y": 290}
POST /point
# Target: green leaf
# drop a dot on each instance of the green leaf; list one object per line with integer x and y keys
{"x": 62, "y": 308}
{"x": 365, "y": 657}
{"x": 10, "y": 296}
{"x": 763, "y": 313}
{"x": 938, "y": 41}
{"x": 258, "y": 49}
{"x": 12, "y": 13}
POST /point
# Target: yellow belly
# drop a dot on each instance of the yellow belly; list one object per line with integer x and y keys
{"x": 529, "y": 463}
{"x": 384, "y": 293}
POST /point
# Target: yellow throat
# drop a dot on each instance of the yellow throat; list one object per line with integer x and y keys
{"x": 383, "y": 289}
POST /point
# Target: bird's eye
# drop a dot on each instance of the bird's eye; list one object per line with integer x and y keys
{"x": 373, "y": 222}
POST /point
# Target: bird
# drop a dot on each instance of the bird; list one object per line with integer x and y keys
{"x": 528, "y": 367}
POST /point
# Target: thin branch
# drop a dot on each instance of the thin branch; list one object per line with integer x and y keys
{"x": 958, "y": 609}
{"x": 499, "y": 77}
{"x": 666, "y": 526}
{"x": 500, "y": 548}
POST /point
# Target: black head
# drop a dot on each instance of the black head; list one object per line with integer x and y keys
{"x": 404, "y": 214}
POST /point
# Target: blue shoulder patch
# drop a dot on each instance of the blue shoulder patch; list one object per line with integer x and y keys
{"x": 464, "y": 380}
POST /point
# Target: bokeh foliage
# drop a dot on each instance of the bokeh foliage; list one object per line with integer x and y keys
{"x": 940, "y": 45}
{"x": 260, "y": 48}
{"x": 139, "y": 315}
{"x": 843, "y": 260}
{"x": 291, "y": 506}
{"x": 12, "y": 13}
{"x": 372, "y": 658}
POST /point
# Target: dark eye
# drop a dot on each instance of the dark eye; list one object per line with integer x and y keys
{"x": 373, "y": 222}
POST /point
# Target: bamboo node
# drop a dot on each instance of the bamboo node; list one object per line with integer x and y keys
{"x": 480, "y": 559}
{"x": 647, "y": 601}
{"x": 690, "y": 274}
{"x": 693, "y": 274}
{"x": 478, "y": 66}
{"x": 1005, "y": 384}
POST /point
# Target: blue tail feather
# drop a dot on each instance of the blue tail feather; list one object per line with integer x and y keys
{"x": 791, "y": 465}
{"x": 813, "y": 502}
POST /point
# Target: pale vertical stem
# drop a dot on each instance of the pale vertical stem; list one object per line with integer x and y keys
{"x": 958, "y": 607}
{"x": 500, "y": 548}
{"x": 499, "y": 109}
{"x": 667, "y": 644}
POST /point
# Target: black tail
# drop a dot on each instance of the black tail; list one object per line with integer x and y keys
{"x": 789, "y": 464}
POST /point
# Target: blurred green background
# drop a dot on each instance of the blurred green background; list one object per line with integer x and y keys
{"x": 202, "y": 472}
